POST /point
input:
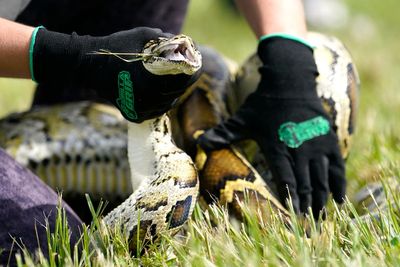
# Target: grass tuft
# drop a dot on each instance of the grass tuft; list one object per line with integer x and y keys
{"x": 213, "y": 238}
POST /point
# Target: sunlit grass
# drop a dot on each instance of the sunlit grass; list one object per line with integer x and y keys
{"x": 15, "y": 95}
{"x": 212, "y": 238}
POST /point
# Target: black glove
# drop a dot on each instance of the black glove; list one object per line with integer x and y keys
{"x": 140, "y": 95}
{"x": 286, "y": 118}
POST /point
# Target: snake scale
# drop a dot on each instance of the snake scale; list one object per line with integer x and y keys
{"x": 81, "y": 147}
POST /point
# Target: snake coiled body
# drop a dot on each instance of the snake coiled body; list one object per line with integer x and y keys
{"x": 86, "y": 152}
{"x": 169, "y": 184}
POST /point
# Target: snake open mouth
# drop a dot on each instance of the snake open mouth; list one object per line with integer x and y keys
{"x": 172, "y": 56}
{"x": 177, "y": 54}
{"x": 163, "y": 56}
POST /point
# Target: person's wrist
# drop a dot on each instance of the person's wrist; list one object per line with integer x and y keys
{"x": 268, "y": 47}
{"x": 288, "y": 69}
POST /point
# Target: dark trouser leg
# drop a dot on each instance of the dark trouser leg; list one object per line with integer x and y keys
{"x": 25, "y": 202}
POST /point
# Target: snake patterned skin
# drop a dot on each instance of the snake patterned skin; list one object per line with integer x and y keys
{"x": 74, "y": 147}
{"x": 74, "y": 151}
{"x": 168, "y": 191}
{"x": 82, "y": 147}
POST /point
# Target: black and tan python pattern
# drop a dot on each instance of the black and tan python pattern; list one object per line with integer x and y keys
{"x": 82, "y": 147}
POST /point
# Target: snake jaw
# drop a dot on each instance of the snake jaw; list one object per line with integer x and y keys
{"x": 163, "y": 56}
{"x": 172, "y": 56}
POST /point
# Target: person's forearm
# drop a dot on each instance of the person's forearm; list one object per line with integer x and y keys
{"x": 14, "y": 49}
{"x": 273, "y": 16}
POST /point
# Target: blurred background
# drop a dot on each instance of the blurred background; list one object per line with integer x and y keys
{"x": 368, "y": 28}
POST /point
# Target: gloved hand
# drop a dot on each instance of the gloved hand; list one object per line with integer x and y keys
{"x": 286, "y": 118}
{"x": 140, "y": 95}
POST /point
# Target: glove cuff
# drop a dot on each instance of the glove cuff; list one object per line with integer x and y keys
{"x": 31, "y": 46}
{"x": 287, "y": 36}
{"x": 288, "y": 70}
{"x": 56, "y": 55}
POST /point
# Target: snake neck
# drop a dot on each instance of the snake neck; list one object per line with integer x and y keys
{"x": 167, "y": 178}
{"x": 146, "y": 142}
{"x": 140, "y": 151}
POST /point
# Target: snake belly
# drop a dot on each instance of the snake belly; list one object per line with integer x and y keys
{"x": 168, "y": 182}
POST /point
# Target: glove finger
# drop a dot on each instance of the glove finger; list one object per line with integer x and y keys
{"x": 151, "y": 114}
{"x": 145, "y": 105}
{"x": 234, "y": 129}
{"x": 285, "y": 180}
{"x": 337, "y": 176}
{"x": 304, "y": 188}
{"x": 176, "y": 85}
{"x": 319, "y": 180}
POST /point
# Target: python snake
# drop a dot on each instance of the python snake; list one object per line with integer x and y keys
{"x": 81, "y": 147}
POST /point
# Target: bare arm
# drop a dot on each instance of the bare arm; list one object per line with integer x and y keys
{"x": 272, "y": 16}
{"x": 14, "y": 49}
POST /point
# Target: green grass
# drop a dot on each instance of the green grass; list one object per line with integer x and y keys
{"x": 15, "y": 95}
{"x": 375, "y": 156}
{"x": 211, "y": 238}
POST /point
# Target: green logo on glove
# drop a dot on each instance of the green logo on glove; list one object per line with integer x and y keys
{"x": 295, "y": 134}
{"x": 126, "y": 98}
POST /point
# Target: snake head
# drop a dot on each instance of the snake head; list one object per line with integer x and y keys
{"x": 174, "y": 55}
